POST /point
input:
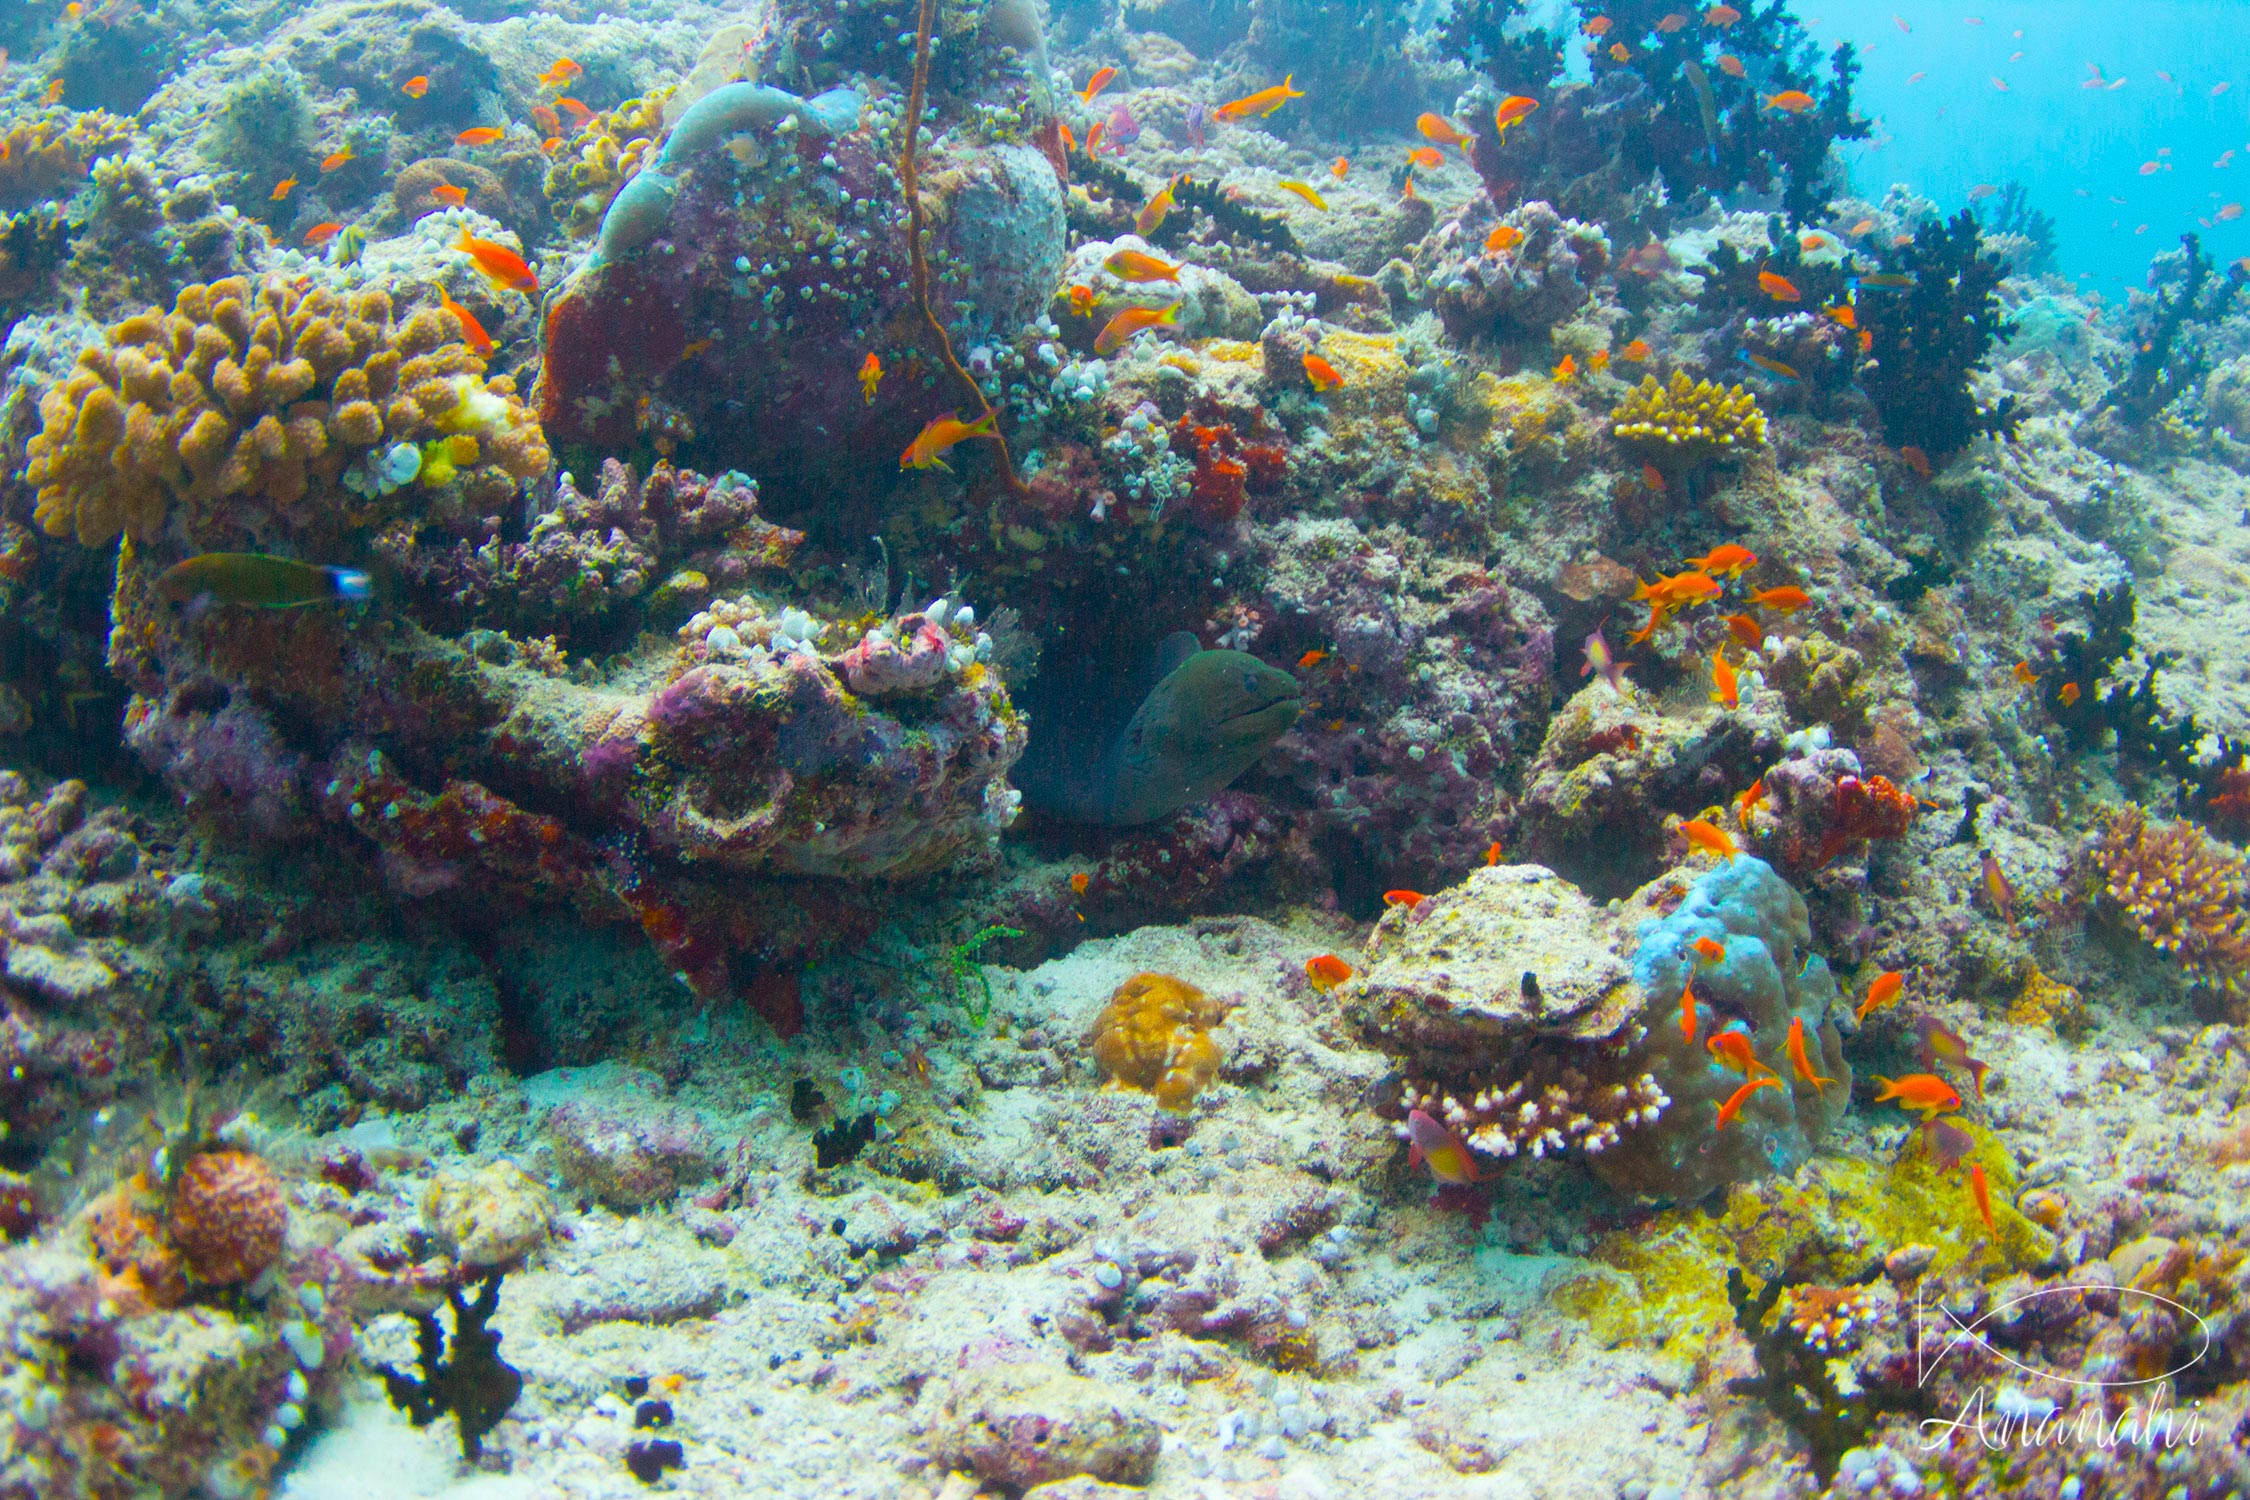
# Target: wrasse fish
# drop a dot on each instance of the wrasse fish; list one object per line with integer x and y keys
{"x": 2022, "y": 672}
{"x": 479, "y": 135}
{"x": 1746, "y": 630}
{"x": 1513, "y": 108}
{"x": 1339, "y": 168}
{"x": 1675, "y": 590}
{"x": 1733, "y": 1050}
{"x": 1151, "y": 217}
{"x": 1503, "y": 237}
{"x": 1321, "y": 373}
{"x": 1139, "y": 265}
{"x": 1798, "y": 1058}
{"x": 1083, "y": 301}
{"x": 335, "y": 159}
{"x": 1724, "y": 561}
{"x": 1636, "y": 351}
{"x": 1079, "y": 882}
{"x": 446, "y": 192}
{"x": 1311, "y": 659}
{"x": 561, "y": 73}
{"x": 471, "y": 329}
{"x": 1096, "y": 84}
{"x": 1600, "y": 659}
{"x": 1708, "y": 838}
{"x": 1740, "y": 1097}
{"x": 1687, "y": 1013}
{"x": 259, "y": 581}
{"x": 415, "y": 87}
{"x": 870, "y": 377}
{"x": 1747, "y": 799}
{"x": 1567, "y": 370}
{"x": 1709, "y": 950}
{"x": 1981, "y": 1191}
{"x": 500, "y": 265}
{"x": 1441, "y": 130}
{"x": 1305, "y": 191}
{"x": 1771, "y": 366}
{"x": 2002, "y": 894}
{"x": 1732, "y": 66}
{"x": 578, "y": 112}
{"x": 1425, "y": 156}
{"x": 1432, "y": 1145}
{"x": 1778, "y": 287}
{"x": 1882, "y": 994}
{"x": 1794, "y": 101}
{"x": 321, "y": 234}
{"x": 1721, "y": 16}
{"x": 1327, "y": 971}
{"x": 2069, "y": 694}
{"x": 281, "y": 188}
{"x": 1403, "y": 898}
{"x": 1262, "y": 103}
{"x": 1926, "y": 1092}
{"x": 1130, "y": 321}
{"x": 1724, "y": 690}
{"x": 1948, "y": 1144}
{"x": 1785, "y": 600}
{"x": 939, "y": 437}
{"x": 1939, "y": 1043}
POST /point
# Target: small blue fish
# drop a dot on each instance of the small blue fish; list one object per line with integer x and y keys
{"x": 1123, "y": 129}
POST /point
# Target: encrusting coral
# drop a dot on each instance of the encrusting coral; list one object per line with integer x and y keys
{"x": 1154, "y": 1036}
{"x": 1687, "y": 423}
{"x": 2185, "y": 895}
{"x": 259, "y": 392}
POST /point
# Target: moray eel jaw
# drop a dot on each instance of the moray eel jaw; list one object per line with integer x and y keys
{"x": 1210, "y": 720}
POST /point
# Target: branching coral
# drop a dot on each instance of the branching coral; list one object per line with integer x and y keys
{"x": 470, "y": 1379}
{"x": 246, "y": 397}
{"x": 1927, "y": 335}
{"x": 39, "y": 157}
{"x": 2187, "y": 897}
{"x": 2170, "y": 356}
{"x": 1154, "y": 1036}
{"x": 1687, "y": 423}
{"x": 1581, "y": 1099}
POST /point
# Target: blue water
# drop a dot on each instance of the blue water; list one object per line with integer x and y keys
{"x": 2078, "y": 150}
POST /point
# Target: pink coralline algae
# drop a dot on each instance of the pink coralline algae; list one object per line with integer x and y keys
{"x": 908, "y": 660}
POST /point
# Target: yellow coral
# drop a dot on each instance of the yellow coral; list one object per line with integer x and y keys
{"x": 39, "y": 156}
{"x": 1154, "y": 1036}
{"x": 604, "y": 154}
{"x": 1687, "y": 422}
{"x": 2184, "y": 894}
{"x": 255, "y": 391}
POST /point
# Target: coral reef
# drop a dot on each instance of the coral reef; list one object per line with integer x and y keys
{"x": 1794, "y": 1381}
{"x": 1522, "y": 292}
{"x": 2184, "y": 895}
{"x": 41, "y": 155}
{"x": 2188, "y": 297}
{"x": 1155, "y": 1036}
{"x": 1687, "y": 423}
{"x": 1925, "y": 338}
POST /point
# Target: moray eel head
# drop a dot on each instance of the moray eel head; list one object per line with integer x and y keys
{"x": 1207, "y": 722}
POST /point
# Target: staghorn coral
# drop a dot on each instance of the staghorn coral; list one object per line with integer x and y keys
{"x": 1688, "y": 423}
{"x": 2186, "y": 896}
{"x": 1154, "y": 1036}
{"x": 249, "y": 395}
{"x": 40, "y": 157}
{"x": 605, "y": 153}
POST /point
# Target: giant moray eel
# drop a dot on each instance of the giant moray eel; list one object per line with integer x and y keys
{"x": 1131, "y": 752}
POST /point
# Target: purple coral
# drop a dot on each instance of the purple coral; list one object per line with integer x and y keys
{"x": 1524, "y": 290}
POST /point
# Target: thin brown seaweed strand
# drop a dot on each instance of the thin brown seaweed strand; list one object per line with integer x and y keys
{"x": 921, "y": 267}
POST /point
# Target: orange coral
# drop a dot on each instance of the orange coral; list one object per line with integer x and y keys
{"x": 1866, "y": 808}
{"x": 127, "y": 1230}
{"x": 2182, "y": 892}
{"x": 1830, "y": 1318}
{"x": 1154, "y": 1035}
{"x": 228, "y": 1216}
{"x": 39, "y": 157}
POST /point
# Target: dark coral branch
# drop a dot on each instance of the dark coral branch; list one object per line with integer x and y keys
{"x": 474, "y": 1384}
{"x": 1929, "y": 333}
{"x": 1793, "y": 1378}
{"x": 2169, "y": 357}
{"x": 1231, "y": 217}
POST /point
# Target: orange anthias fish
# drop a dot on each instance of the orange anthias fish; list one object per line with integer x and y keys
{"x": 2069, "y": 694}
{"x": 1441, "y": 130}
{"x": 1620, "y": 51}
{"x": 1131, "y": 321}
{"x": 1339, "y": 168}
{"x": 321, "y": 234}
{"x": 1733, "y": 1050}
{"x": 1721, "y": 16}
{"x": 1996, "y": 887}
{"x": 1636, "y": 351}
{"x": 2022, "y": 672}
{"x": 1780, "y": 288}
{"x": 1094, "y": 137}
{"x": 1598, "y": 360}
{"x": 1151, "y": 217}
{"x": 1939, "y": 1043}
{"x": 500, "y": 265}
{"x": 1139, "y": 265}
{"x": 1568, "y": 369}
{"x": 1083, "y": 301}
{"x": 1079, "y": 882}
{"x": 1842, "y": 313}
{"x": 561, "y": 73}
{"x": 1709, "y": 950}
{"x": 1947, "y": 1143}
{"x": 335, "y": 159}
{"x": 544, "y": 116}
{"x": 1916, "y": 460}
{"x": 1687, "y": 1014}
{"x": 1321, "y": 373}
{"x": 1724, "y": 690}
{"x": 1709, "y": 838}
{"x": 55, "y": 91}
{"x": 1798, "y": 1058}
{"x": 1503, "y": 237}
{"x": 1069, "y": 141}
{"x": 1725, "y": 561}
{"x": 1599, "y": 26}
{"x": 1492, "y": 854}
{"x": 1097, "y": 83}
{"x": 1653, "y": 477}
{"x": 1676, "y": 21}
{"x": 1747, "y": 632}
{"x": 1513, "y": 108}
{"x": 939, "y": 437}
{"x": 578, "y": 112}
{"x": 1403, "y": 898}
{"x": 1981, "y": 1191}
{"x": 415, "y": 87}
{"x": 479, "y": 135}
{"x": 1677, "y": 590}
{"x": 1882, "y": 994}
{"x": 1432, "y": 1145}
{"x": 1425, "y": 156}
{"x": 1327, "y": 971}
{"x": 1926, "y": 1092}
{"x": 1747, "y": 800}
{"x": 1732, "y": 66}
{"x": 1311, "y": 659}
{"x": 1599, "y": 658}
{"x": 870, "y": 376}
{"x": 471, "y": 329}
{"x": 281, "y": 188}
{"x": 1794, "y": 101}
{"x": 446, "y": 192}
{"x": 1262, "y": 103}
{"x": 1741, "y": 1096}
{"x": 1784, "y": 600}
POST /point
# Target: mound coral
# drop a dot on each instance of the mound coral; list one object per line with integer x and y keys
{"x": 40, "y": 157}
{"x": 1154, "y": 1036}
{"x": 227, "y": 1217}
{"x": 2187, "y": 897}
{"x": 1687, "y": 423}
{"x": 1543, "y": 278}
{"x": 243, "y": 399}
